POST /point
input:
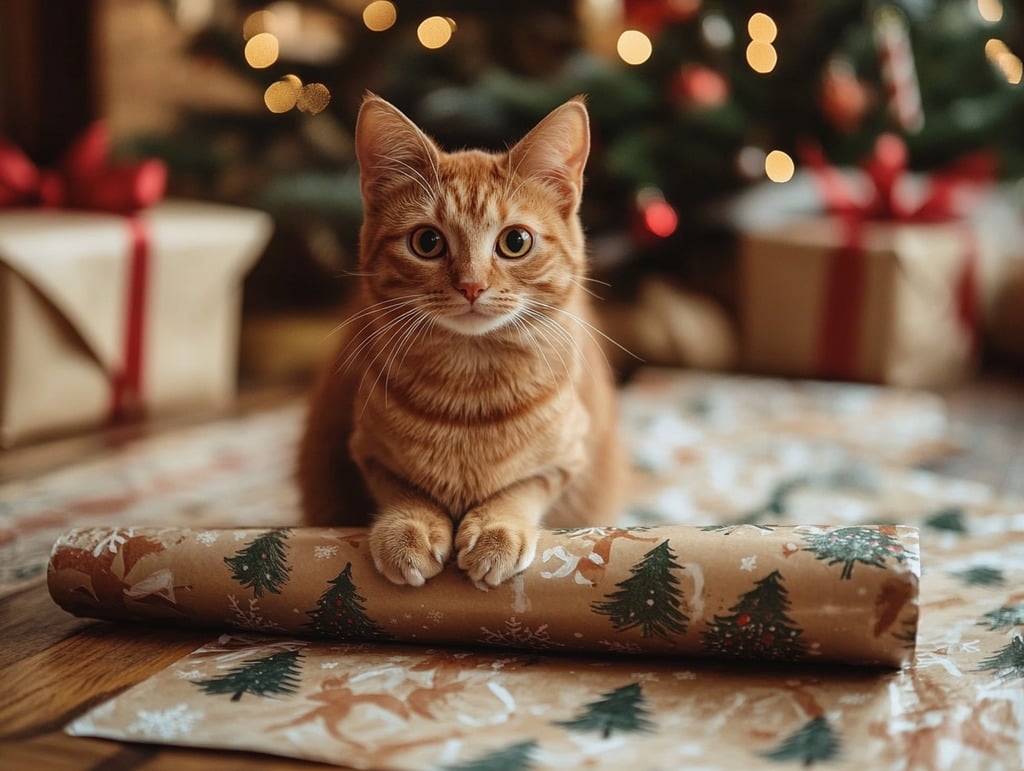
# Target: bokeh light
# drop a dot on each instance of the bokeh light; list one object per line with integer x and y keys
{"x": 762, "y": 28}
{"x": 761, "y": 57}
{"x": 434, "y": 32}
{"x": 634, "y": 47}
{"x": 716, "y": 30}
{"x": 380, "y": 15}
{"x": 257, "y": 22}
{"x": 1011, "y": 66}
{"x": 262, "y": 50}
{"x": 778, "y": 166}
{"x": 282, "y": 95}
{"x": 994, "y": 48}
{"x": 991, "y": 10}
{"x": 313, "y": 98}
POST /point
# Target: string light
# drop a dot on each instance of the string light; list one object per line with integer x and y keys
{"x": 761, "y": 54}
{"x": 435, "y": 31}
{"x": 380, "y": 15}
{"x": 990, "y": 10}
{"x": 262, "y": 50}
{"x": 634, "y": 47}
{"x": 1002, "y": 57}
{"x": 778, "y": 166}
{"x": 256, "y": 22}
{"x": 282, "y": 95}
{"x": 657, "y": 214}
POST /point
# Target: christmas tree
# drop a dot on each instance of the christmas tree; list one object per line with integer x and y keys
{"x": 758, "y": 626}
{"x": 262, "y": 564}
{"x": 850, "y": 545}
{"x": 1005, "y": 617}
{"x": 275, "y": 674}
{"x": 649, "y": 598}
{"x": 982, "y": 575}
{"x": 1008, "y": 662}
{"x": 340, "y": 614}
{"x": 816, "y": 740}
{"x": 623, "y": 709}
{"x": 515, "y": 757}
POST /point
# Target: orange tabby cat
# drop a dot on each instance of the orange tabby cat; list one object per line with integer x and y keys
{"x": 470, "y": 401}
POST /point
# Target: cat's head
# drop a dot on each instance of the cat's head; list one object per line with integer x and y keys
{"x": 470, "y": 241}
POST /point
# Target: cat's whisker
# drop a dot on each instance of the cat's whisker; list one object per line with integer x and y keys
{"x": 548, "y": 326}
{"x": 378, "y": 308}
{"x": 362, "y": 340}
{"x": 371, "y": 339}
{"x": 586, "y": 325}
{"x": 406, "y": 320}
{"x": 411, "y": 330}
{"x": 585, "y": 289}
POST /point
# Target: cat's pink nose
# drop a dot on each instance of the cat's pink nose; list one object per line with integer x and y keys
{"x": 470, "y": 290}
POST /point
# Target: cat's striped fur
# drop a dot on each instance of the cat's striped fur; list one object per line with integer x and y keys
{"x": 470, "y": 401}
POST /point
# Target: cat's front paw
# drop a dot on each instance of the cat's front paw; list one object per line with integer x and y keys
{"x": 492, "y": 551}
{"x": 410, "y": 545}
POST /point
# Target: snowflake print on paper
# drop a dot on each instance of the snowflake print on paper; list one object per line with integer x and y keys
{"x": 516, "y": 633}
{"x": 207, "y": 537}
{"x": 171, "y": 723}
{"x": 748, "y": 564}
{"x": 113, "y": 541}
{"x": 322, "y": 552}
{"x": 250, "y": 618}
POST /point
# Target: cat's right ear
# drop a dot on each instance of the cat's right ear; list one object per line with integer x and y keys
{"x": 390, "y": 149}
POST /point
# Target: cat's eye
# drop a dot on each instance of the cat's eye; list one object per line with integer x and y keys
{"x": 427, "y": 243}
{"x": 514, "y": 241}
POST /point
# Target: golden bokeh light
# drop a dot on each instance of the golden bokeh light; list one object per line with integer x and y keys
{"x": 762, "y": 28}
{"x": 380, "y": 15}
{"x": 994, "y": 48}
{"x": 991, "y": 10}
{"x": 1011, "y": 66}
{"x": 761, "y": 57}
{"x": 778, "y": 166}
{"x": 282, "y": 95}
{"x": 634, "y": 47}
{"x": 257, "y": 22}
{"x": 262, "y": 50}
{"x": 313, "y": 98}
{"x": 434, "y": 32}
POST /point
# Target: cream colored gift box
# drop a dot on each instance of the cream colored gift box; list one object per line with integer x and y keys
{"x": 907, "y": 328}
{"x": 63, "y": 294}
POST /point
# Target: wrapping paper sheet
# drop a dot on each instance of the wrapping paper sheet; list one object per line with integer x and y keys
{"x": 844, "y": 594}
{"x": 736, "y": 451}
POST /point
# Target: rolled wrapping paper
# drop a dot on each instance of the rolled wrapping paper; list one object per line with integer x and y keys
{"x": 838, "y": 594}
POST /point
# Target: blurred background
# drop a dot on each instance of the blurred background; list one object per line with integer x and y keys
{"x": 713, "y": 123}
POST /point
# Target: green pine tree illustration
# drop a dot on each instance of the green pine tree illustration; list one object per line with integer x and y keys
{"x": 515, "y": 757}
{"x": 815, "y": 740}
{"x": 982, "y": 575}
{"x": 649, "y": 598}
{"x": 950, "y": 519}
{"x": 1005, "y": 617}
{"x": 1008, "y": 662}
{"x": 850, "y": 545}
{"x": 274, "y": 674}
{"x": 262, "y": 564}
{"x": 340, "y": 613}
{"x": 623, "y": 709}
{"x": 758, "y": 626}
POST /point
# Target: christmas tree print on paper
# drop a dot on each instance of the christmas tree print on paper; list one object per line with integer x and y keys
{"x": 950, "y": 519}
{"x": 1008, "y": 662}
{"x": 816, "y": 740}
{"x": 515, "y": 757}
{"x": 649, "y": 598}
{"x": 758, "y": 626}
{"x": 340, "y": 613}
{"x": 982, "y": 575}
{"x": 262, "y": 564}
{"x": 270, "y": 676}
{"x": 850, "y": 545}
{"x": 1005, "y": 617}
{"x": 623, "y": 709}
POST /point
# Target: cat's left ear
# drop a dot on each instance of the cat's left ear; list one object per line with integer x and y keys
{"x": 556, "y": 150}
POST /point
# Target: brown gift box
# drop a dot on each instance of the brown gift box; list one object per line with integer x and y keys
{"x": 900, "y": 307}
{"x": 843, "y": 594}
{"x": 66, "y": 330}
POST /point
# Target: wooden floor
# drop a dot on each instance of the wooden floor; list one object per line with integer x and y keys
{"x": 53, "y": 666}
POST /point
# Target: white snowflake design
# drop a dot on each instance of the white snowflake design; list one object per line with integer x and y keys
{"x": 517, "y": 633}
{"x": 169, "y": 723}
{"x": 208, "y": 537}
{"x": 188, "y": 674}
{"x": 748, "y": 564}
{"x": 435, "y": 616}
{"x": 322, "y": 552}
{"x": 250, "y": 618}
{"x": 112, "y": 541}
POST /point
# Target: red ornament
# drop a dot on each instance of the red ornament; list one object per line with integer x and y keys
{"x": 844, "y": 99}
{"x": 652, "y": 15}
{"x": 743, "y": 619}
{"x": 699, "y": 86}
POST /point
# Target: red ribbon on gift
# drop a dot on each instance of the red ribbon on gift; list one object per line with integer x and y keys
{"x": 86, "y": 179}
{"x": 845, "y": 290}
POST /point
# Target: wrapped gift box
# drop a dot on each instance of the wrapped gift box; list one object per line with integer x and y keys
{"x": 892, "y": 302}
{"x": 104, "y": 315}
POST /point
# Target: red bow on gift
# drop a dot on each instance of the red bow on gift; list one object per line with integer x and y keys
{"x": 84, "y": 179}
{"x": 885, "y": 169}
{"x": 845, "y": 290}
